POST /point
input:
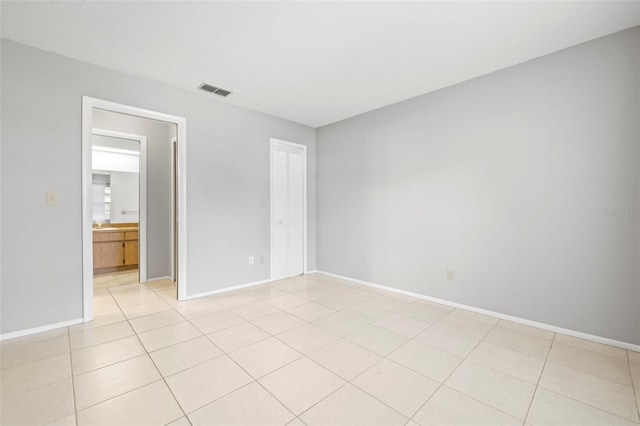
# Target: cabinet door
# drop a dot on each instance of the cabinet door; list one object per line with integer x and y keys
{"x": 107, "y": 254}
{"x": 131, "y": 252}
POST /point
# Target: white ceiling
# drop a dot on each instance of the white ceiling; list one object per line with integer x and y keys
{"x": 311, "y": 62}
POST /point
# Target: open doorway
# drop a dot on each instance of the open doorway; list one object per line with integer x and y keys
{"x": 119, "y": 201}
{"x": 134, "y": 201}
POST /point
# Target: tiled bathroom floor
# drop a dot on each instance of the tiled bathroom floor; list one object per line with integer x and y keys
{"x": 309, "y": 350}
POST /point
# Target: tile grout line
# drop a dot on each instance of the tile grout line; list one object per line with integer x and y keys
{"x": 561, "y": 365}
{"x": 309, "y": 322}
{"x": 588, "y": 404}
{"x": 68, "y": 333}
{"x": 548, "y": 352}
{"x": 76, "y": 411}
{"x": 535, "y": 390}
{"x": 465, "y": 358}
{"x": 445, "y": 350}
{"x": 41, "y": 386}
{"x": 349, "y": 382}
{"x": 253, "y": 379}
{"x": 37, "y": 388}
{"x": 224, "y": 353}
{"x": 594, "y": 374}
{"x": 383, "y": 357}
{"x": 633, "y": 385}
{"x": 257, "y": 380}
{"x": 115, "y": 396}
{"x": 73, "y": 382}
{"x": 152, "y": 361}
{"x": 368, "y": 323}
{"x": 184, "y": 414}
{"x": 13, "y": 343}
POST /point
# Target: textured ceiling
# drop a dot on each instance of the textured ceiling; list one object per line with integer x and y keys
{"x": 311, "y": 62}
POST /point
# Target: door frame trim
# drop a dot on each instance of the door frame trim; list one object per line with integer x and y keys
{"x": 88, "y": 104}
{"x": 175, "y": 227}
{"x": 272, "y": 142}
{"x": 142, "y": 195}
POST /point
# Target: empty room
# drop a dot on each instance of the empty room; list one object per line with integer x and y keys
{"x": 320, "y": 213}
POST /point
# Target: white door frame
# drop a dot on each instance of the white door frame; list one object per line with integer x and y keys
{"x": 272, "y": 142}
{"x": 173, "y": 210}
{"x": 88, "y": 105}
{"x": 142, "y": 199}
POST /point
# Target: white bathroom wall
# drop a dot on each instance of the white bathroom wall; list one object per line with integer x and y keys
{"x": 125, "y": 192}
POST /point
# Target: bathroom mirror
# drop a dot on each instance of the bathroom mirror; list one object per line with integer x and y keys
{"x": 115, "y": 180}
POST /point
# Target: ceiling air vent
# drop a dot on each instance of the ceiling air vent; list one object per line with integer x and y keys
{"x": 215, "y": 90}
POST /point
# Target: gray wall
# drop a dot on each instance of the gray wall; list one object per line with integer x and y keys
{"x": 228, "y": 182}
{"x": 159, "y": 184}
{"x": 505, "y": 179}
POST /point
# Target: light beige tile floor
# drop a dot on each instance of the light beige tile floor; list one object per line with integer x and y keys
{"x": 311, "y": 350}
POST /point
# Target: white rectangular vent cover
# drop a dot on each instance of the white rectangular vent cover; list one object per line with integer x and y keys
{"x": 215, "y": 90}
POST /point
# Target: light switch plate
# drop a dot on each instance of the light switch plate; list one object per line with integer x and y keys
{"x": 52, "y": 198}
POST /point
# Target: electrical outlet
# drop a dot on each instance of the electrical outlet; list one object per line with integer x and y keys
{"x": 252, "y": 260}
{"x": 261, "y": 259}
{"x": 450, "y": 275}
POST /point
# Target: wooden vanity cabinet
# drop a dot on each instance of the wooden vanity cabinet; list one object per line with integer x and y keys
{"x": 114, "y": 250}
{"x": 107, "y": 254}
{"x": 131, "y": 248}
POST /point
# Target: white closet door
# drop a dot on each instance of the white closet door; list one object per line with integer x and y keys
{"x": 279, "y": 204}
{"x": 287, "y": 211}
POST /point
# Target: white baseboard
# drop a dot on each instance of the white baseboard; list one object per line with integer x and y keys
{"x": 578, "y": 334}
{"x": 35, "y": 330}
{"x": 150, "y": 280}
{"x": 227, "y": 289}
{"x": 237, "y": 287}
